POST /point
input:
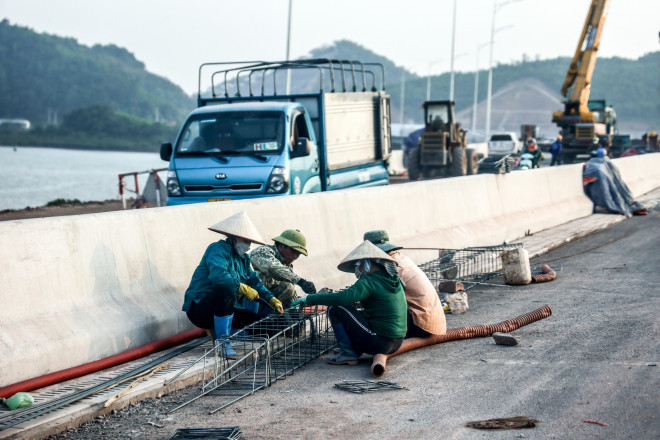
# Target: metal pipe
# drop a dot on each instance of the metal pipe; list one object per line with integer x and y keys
{"x": 378, "y": 365}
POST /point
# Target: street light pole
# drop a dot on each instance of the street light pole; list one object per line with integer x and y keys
{"x": 403, "y": 95}
{"x": 428, "y": 80}
{"x": 476, "y": 90}
{"x": 453, "y": 45}
{"x": 490, "y": 68}
{"x": 490, "y": 72}
{"x": 288, "y": 50}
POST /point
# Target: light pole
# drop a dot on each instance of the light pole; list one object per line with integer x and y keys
{"x": 451, "y": 82}
{"x": 403, "y": 96}
{"x": 496, "y": 6}
{"x": 476, "y": 90}
{"x": 288, "y": 50}
{"x": 428, "y": 80}
{"x": 453, "y": 45}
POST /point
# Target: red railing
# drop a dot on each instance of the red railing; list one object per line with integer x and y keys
{"x": 140, "y": 199}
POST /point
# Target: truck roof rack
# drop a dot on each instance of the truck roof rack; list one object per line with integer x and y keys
{"x": 353, "y": 75}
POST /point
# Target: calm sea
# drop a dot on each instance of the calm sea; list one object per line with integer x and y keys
{"x": 35, "y": 176}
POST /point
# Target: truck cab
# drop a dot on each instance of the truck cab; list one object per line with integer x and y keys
{"x": 248, "y": 146}
{"x": 242, "y": 151}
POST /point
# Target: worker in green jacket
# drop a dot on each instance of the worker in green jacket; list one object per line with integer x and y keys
{"x": 224, "y": 281}
{"x": 381, "y": 326}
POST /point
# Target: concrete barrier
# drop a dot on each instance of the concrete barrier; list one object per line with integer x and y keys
{"x": 80, "y": 288}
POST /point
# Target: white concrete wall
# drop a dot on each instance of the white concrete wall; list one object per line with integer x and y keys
{"x": 80, "y": 288}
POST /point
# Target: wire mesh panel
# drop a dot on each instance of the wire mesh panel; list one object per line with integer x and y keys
{"x": 469, "y": 265}
{"x": 225, "y": 433}
{"x": 267, "y": 350}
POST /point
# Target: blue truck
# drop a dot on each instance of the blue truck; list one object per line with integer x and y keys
{"x": 246, "y": 140}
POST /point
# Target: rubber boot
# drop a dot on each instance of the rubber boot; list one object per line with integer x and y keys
{"x": 239, "y": 332}
{"x": 222, "y": 329}
{"x": 346, "y": 355}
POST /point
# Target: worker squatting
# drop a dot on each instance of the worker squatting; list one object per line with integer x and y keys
{"x": 231, "y": 289}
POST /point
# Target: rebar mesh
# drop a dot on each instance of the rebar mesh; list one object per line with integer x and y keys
{"x": 225, "y": 433}
{"x": 470, "y": 266}
{"x": 267, "y": 350}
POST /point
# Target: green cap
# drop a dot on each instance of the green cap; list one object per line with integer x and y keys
{"x": 382, "y": 240}
{"x": 294, "y": 239}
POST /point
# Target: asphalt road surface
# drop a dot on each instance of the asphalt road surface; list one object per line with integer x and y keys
{"x": 595, "y": 359}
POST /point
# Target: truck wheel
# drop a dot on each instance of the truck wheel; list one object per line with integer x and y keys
{"x": 472, "y": 159}
{"x": 413, "y": 164}
{"x": 458, "y": 162}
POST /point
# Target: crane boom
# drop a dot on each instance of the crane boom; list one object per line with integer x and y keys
{"x": 582, "y": 65}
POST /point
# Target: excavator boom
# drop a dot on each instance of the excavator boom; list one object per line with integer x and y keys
{"x": 582, "y": 65}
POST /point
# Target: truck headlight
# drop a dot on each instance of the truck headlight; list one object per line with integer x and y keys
{"x": 173, "y": 188}
{"x": 278, "y": 182}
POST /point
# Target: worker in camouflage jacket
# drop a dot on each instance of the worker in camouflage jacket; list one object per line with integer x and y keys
{"x": 274, "y": 266}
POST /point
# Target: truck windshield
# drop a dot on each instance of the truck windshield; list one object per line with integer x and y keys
{"x": 232, "y": 133}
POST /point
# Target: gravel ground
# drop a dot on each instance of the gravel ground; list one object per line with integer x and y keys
{"x": 54, "y": 211}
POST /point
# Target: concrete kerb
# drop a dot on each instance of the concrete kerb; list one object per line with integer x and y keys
{"x": 101, "y": 284}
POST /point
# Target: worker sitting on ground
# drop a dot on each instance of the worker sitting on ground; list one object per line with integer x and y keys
{"x": 274, "y": 266}
{"x": 222, "y": 277}
{"x": 535, "y": 151}
{"x": 381, "y": 326}
{"x": 426, "y": 316}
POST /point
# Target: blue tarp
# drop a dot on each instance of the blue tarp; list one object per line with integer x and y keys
{"x": 413, "y": 139}
{"x": 608, "y": 190}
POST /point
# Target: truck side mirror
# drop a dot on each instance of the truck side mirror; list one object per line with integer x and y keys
{"x": 301, "y": 148}
{"x": 166, "y": 151}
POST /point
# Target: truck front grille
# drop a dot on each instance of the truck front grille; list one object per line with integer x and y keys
{"x": 433, "y": 141}
{"x": 234, "y": 187}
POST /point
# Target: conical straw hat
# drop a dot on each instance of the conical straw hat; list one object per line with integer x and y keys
{"x": 239, "y": 225}
{"x": 366, "y": 250}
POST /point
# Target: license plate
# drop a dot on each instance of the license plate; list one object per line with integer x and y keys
{"x": 218, "y": 200}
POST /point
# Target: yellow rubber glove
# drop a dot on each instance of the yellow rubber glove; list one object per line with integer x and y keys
{"x": 277, "y": 305}
{"x": 248, "y": 292}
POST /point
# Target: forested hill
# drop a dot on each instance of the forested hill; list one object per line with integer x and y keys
{"x": 632, "y": 86}
{"x": 43, "y": 77}
{"x": 47, "y": 79}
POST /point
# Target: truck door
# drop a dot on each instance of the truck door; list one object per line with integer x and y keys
{"x": 305, "y": 169}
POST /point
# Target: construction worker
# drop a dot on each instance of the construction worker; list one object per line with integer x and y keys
{"x": 535, "y": 151}
{"x": 222, "y": 278}
{"x": 274, "y": 266}
{"x": 381, "y": 327}
{"x": 556, "y": 149}
{"x": 425, "y": 315}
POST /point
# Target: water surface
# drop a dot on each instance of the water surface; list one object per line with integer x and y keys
{"x": 32, "y": 176}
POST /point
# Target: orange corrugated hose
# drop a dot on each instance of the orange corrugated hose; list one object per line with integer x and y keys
{"x": 473, "y": 331}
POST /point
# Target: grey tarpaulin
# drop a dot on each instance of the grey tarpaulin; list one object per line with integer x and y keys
{"x": 608, "y": 190}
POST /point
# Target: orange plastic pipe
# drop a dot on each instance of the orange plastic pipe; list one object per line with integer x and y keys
{"x": 474, "y": 331}
{"x": 548, "y": 275}
{"x": 101, "y": 364}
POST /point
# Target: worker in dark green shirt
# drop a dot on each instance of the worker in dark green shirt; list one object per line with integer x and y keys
{"x": 381, "y": 326}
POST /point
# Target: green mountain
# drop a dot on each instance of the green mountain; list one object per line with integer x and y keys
{"x": 46, "y": 79}
{"x": 43, "y": 77}
{"x": 631, "y": 86}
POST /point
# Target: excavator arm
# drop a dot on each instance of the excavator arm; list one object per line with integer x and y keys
{"x": 582, "y": 65}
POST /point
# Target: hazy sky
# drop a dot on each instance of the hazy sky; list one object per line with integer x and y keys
{"x": 173, "y": 38}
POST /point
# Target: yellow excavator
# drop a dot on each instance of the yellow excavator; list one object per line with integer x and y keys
{"x": 583, "y": 122}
